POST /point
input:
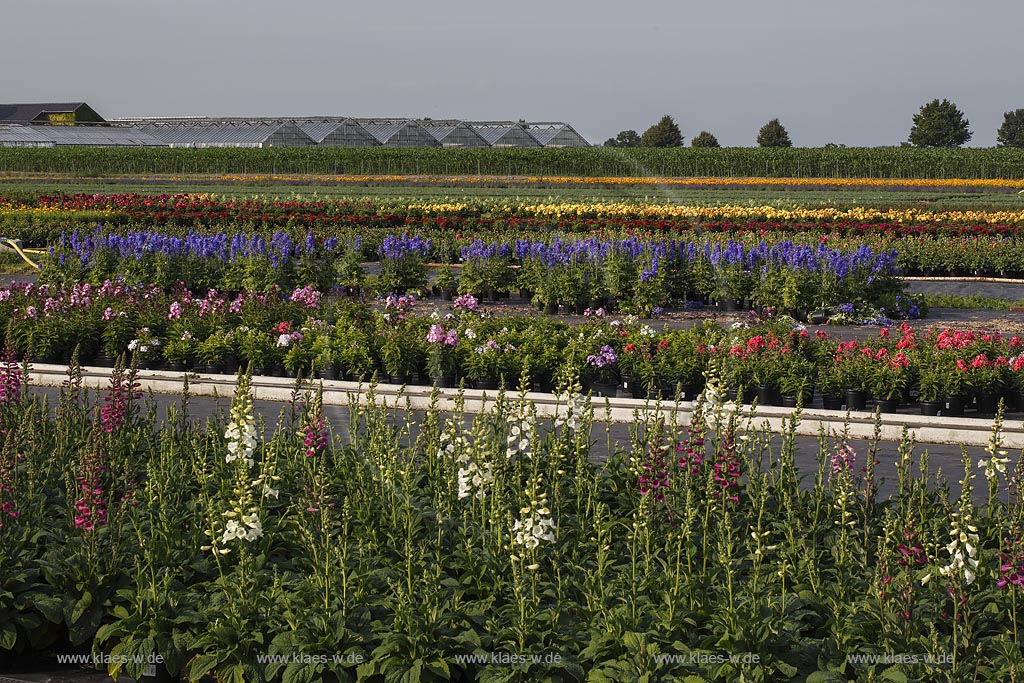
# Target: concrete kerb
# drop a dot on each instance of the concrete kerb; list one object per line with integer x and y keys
{"x": 861, "y": 424}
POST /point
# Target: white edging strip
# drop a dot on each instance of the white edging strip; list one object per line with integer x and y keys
{"x": 942, "y": 430}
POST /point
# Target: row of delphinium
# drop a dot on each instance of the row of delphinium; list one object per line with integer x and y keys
{"x": 199, "y": 260}
{"x": 638, "y": 275}
{"x": 305, "y": 330}
{"x": 491, "y": 547}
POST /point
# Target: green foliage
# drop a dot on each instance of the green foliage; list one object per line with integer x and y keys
{"x": 625, "y": 138}
{"x": 804, "y": 162}
{"x": 773, "y": 134}
{"x": 1011, "y": 133}
{"x": 939, "y": 124}
{"x": 665, "y": 133}
{"x": 704, "y": 139}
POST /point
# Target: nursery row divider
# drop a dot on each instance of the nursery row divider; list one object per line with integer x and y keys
{"x": 861, "y": 424}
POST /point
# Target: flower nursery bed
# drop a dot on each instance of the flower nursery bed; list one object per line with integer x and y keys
{"x": 487, "y": 537}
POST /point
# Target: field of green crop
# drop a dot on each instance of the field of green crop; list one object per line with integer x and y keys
{"x": 880, "y": 162}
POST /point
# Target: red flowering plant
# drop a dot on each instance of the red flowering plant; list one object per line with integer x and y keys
{"x": 854, "y": 364}
{"x": 637, "y": 359}
{"x": 764, "y": 354}
{"x": 890, "y": 374}
{"x": 984, "y": 374}
{"x": 1015, "y": 377}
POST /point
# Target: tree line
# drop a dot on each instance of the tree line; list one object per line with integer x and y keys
{"x": 937, "y": 124}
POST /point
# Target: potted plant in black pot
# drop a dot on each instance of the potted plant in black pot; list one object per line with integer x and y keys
{"x": 447, "y": 283}
{"x": 796, "y": 381}
{"x": 931, "y": 389}
{"x": 888, "y": 378}
{"x": 831, "y": 387}
{"x": 180, "y": 350}
{"x": 147, "y": 347}
{"x": 213, "y": 352}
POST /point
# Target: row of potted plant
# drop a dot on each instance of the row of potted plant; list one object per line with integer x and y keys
{"x": 306, "y": 331}
{"x": 631, "y": 274}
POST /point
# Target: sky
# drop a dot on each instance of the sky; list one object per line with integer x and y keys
{"x": 845, "y": 72}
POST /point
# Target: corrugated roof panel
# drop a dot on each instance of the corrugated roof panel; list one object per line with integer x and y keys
{"x": 98, "y": 136}
{"x": 23, "y": 136}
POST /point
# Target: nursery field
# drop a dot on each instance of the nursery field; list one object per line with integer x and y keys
{"x": 382, "y": 544}
{"x": 707, "y": 191}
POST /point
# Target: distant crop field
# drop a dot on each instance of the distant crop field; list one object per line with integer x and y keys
{"x": 883, "y": 162}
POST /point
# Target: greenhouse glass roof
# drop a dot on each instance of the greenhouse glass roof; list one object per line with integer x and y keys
{"x": 74, "y": 136}
{"x": 505, "y": 134}
{"x": 451, "y": 133}
{"x": 556, "y": 135}
{"x": 398, "y": 132}
{"x": 230, "y": 134}
{"x": 23, "y": 136}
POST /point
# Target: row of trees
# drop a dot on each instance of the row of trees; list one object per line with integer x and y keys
{"x": 938, "y": 124}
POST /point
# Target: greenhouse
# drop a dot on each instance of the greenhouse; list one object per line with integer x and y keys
{"x": 23, "y": 136}
{"x": 453, "y": 133}
{"x": 75, "y": 136}
{"x": 338, "y": 133}
{"x": 556, "y": 134}
{"x": 504, "y": 134}
{"x": 229, "y": 134}
{"x": 398, "y": 133}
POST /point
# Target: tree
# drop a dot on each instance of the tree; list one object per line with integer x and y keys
{"x": 773, "y": 134}
{"x": 704, "y": 139}
{"x": 939, "y": 124}
{"x": 1011, "y": 133}
{"x": 664, "y": 133}
{"x": 626, "y": 138}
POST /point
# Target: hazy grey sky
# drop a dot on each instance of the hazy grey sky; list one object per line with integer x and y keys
{"x": 851, "y": 72}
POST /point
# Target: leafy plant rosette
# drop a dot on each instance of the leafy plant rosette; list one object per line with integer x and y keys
{"x": 936, "y": 380}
